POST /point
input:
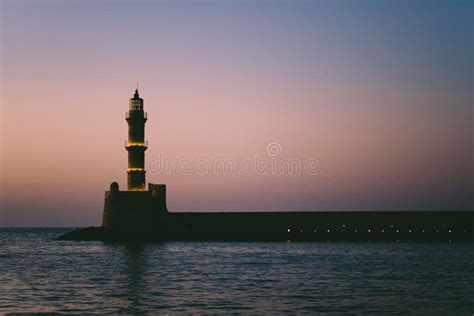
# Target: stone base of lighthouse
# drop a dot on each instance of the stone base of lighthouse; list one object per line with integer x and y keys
{"x": 135, "y": 211}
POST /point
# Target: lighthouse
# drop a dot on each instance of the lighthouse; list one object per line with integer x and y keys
{"x": 141, "y": 207}
{"x": 136, "y": 145}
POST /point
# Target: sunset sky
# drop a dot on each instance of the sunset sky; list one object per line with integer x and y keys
{"x": 378, "y": 93}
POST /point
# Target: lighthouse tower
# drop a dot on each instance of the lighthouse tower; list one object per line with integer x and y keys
{"x": 140, "y": 209}
{"x": 136, "y": 144}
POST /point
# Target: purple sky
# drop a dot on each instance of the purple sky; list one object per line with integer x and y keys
{"x": 252, "y": 105}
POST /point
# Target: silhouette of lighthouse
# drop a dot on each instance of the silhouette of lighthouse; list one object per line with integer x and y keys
{"x": 141, "y": 207}
{"x": 136, "y": 144}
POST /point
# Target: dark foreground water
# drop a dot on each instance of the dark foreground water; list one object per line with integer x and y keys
{"x": 38, "y": 274}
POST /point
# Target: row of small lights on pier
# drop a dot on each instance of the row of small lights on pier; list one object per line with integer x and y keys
{"x": 371, "y": 230}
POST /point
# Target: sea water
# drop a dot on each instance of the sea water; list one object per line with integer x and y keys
{"x": 40, "y": 274}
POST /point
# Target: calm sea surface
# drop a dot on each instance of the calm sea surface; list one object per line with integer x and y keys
{"x": 39, "y": 274}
